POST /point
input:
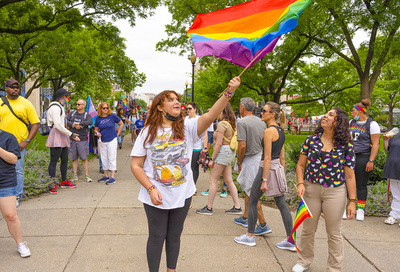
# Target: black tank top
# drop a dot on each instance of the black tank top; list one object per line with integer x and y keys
{"x": 277, "y": 145}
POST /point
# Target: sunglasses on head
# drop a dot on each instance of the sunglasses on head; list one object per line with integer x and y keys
{"x": 13, "y": 87}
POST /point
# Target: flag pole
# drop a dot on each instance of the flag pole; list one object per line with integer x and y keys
{"x": 244, "y": 70}
{"x": 305, "y": 204}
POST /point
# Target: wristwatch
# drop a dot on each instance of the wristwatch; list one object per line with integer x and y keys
{"x": 371, "y": 160}
{"x": 264, "y": 179}
{"x": 27, "y": 140}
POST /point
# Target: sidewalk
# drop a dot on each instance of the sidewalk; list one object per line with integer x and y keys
{"x": 96, "y": 227}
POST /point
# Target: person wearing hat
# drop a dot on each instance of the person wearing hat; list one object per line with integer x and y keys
{"x": 16, "y": 113}
{"x": 59, "y": 139}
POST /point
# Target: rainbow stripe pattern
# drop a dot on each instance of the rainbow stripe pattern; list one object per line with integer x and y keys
{"x": 302, "y": 213}
{"x": 357, "y": 129}
{"x": 240, "y": 33}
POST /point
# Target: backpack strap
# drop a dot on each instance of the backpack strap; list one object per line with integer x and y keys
{"x": 5, "y": 101}
{"x": 226, "y": 139}
{"x": 368, "y": 125}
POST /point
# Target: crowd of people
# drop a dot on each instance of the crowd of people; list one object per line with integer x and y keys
{"x": 168, "y": 146}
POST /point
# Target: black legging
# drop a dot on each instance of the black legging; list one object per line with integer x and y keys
{"x": 55, "y": 154}
{"x": 195, "y": 165}
{"x": 164, "y": 225}
{"x": 362, "y": 176}
{"x": 280, "y": 201}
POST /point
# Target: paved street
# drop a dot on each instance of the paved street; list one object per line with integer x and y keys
{"x": 103, "y": 228}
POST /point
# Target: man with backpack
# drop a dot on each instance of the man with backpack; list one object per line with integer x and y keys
{"x": 79, "y": 122}
{"x": 18, "y": 117}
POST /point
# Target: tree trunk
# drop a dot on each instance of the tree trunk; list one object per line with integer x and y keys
{"x": 390, "y": 120}
{"x": 365, "y": 87}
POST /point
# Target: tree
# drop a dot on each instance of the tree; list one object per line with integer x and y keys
{"x": 31, "y": 16}
{"x": 388, "y": 89}
{"x": 338, "y": 21}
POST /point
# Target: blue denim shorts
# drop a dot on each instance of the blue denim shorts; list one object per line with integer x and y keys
{"x": 9, "y": 191}
{"x": 225, "y": 155}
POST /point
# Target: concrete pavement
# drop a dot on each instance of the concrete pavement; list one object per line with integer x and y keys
{"x": 104, "y": 228}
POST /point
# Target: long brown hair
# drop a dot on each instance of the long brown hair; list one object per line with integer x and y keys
{"x": 229, "y": 116}
{"x": 155, "y": 118}
{"x": 99, "y": 110}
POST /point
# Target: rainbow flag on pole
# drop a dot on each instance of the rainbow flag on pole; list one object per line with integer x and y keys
{"x": 302, "y": 213}
{"x": 246, "y": 31}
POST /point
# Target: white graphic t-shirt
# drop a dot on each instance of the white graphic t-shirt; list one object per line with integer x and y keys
{"x": 167, "y": 165}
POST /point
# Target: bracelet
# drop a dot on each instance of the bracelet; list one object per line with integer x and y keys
{"x": 352, "y": 200}
{"x": 300, "y": 183}
{"x": 228, "y": 94}
{"x": 151, "y": 188}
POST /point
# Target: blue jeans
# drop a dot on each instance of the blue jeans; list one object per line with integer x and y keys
{"x": 19, "y": 167}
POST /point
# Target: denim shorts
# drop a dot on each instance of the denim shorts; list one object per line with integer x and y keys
{"x": 9, "y": 191}
{"x": 225, "y": 155}
{"x": 210, "y": 136}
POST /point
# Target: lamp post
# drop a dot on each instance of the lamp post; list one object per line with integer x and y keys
{"x": 186, "y": 84}
{"x": 193, "y": 61}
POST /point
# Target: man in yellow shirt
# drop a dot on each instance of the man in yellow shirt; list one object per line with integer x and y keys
{"x": 10, "y": 123}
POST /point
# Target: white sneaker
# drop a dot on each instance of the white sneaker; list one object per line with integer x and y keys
{"x": 75, "y": 178}
{"x": 23, "y": 250}
{"x": 390, "y": 220}
{"x": 286, "y": 245}
{"x": 360, "y": 215}
{"x": 245, "y": 239}
{"x": 344, "y": 217}
{"x": 299, "y": 268}
{"x": 87, "y": 178}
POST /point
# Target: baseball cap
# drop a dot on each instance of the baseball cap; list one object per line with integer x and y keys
{"x": 11, "y": 82}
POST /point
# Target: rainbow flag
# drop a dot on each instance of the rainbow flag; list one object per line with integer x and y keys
{"x": 240, "y": 33}
{"x": 302, "y": 213}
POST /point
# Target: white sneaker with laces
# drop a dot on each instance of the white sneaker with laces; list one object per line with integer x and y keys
{"x": 75, "y": 178}
{"x": 245, "y": 239}
{"x": 286, "y": 245}
{"x": 360, "y": 215}
{"x": 299, "y": 268}
{"x": 23, "y": 250}
{"x": 390, "y": 220}
{"x": 87, "y": 178}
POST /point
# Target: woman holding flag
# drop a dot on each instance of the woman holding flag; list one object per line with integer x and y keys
{"x": 324, "y": 170}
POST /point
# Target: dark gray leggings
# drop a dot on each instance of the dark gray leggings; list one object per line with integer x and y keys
{"x": 280, "y": 201}
{"x": 164, "y": 225}
{"x": 195, "y": 165}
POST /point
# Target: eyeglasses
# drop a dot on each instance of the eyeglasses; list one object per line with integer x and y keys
{"x": 190, "y": 108}
{"x": 78, "y": 104}
{"x": 105, "y": 108}
{"x": 13, "y": 87}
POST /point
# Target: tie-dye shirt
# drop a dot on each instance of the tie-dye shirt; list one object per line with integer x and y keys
{"x": 326, "y": 168}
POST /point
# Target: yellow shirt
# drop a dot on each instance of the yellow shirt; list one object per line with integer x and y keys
{"x": 23, "y": 109}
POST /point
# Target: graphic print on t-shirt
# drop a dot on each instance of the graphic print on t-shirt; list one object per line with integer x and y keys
{"x": 169, "y": 160}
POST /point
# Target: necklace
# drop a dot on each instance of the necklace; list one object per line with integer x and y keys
{"x": 328, "y": 143}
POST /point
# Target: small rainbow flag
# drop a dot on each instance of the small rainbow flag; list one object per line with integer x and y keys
{"x": 245, "y": 32}
{"x": 302, "y": 213}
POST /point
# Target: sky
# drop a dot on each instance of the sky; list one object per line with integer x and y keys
{"x": 164, "y": 71}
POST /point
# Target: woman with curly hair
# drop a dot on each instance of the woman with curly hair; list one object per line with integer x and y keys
{"x": 161, "y": 159}
{"x": 365, "y": 134}
{"x": 324, "y": 170}
{"x": 221, "y": 162}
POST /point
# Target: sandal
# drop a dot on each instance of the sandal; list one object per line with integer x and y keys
{"x": 390, "y": 220}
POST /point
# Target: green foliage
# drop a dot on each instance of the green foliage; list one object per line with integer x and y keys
{"x": 377, "y": 203}
{"x": 376, "y": 175}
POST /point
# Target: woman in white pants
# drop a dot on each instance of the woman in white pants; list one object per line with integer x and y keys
{"x": 104, "y": 128}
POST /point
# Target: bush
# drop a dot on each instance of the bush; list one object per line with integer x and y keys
{"x": 37, "y": 180}
{"x": 376, "y": 175}
{"x": 377, "y": 203}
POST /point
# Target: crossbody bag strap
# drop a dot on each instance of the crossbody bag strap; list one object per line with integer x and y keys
{"x": 5, "y": 101}
{"x": 233, "y": 132}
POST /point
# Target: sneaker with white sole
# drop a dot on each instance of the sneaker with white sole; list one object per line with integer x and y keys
{"x": 67, "y": 184}
{"x": 103, "y": 179}
{"x": 299, "y": 268}
{"x": 260, "y": 230}
{"x": 205, "y": 193}
{"x": 75, "y": 178}
{"x": 223, "y": 194}
{"x": 344, "y": 217}
{"x": 234, "y": 210}
{"x": 205, "y": 211}
{"x": 23, "y": 250}
{"x": 87, "y": 178}
{"x": 360, "y": 215}
{"x": 110, "y": 181}
{"x": 245, "y": 239}
{"x": 286, "y": 245}
{"x": 390, "y": 220}
{"x": 241, "y": 221}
